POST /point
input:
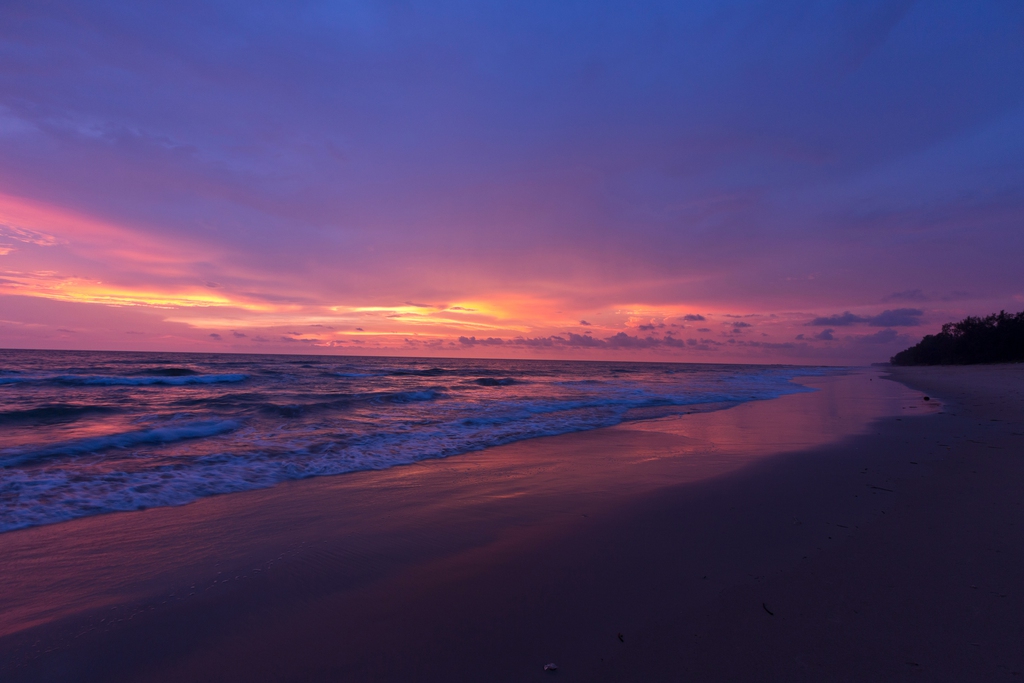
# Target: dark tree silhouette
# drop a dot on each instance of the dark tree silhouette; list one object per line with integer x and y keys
{"x": 998, "y": 338}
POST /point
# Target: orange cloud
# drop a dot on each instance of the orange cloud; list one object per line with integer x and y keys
{"x": 61, "y": 288}
{"x": 94, "y": 265}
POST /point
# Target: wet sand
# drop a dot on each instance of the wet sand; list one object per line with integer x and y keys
{"x": 855, "y": 533}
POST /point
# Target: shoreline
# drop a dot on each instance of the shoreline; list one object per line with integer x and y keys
{"x": 510, "y": 567}
{"x": 277, "y": 420}
{"x": 712, "y": 441}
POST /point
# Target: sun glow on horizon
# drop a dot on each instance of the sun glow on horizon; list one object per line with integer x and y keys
{"x": 65, "y": 257}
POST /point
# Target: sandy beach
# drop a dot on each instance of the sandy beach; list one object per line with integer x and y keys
{"x": 854, "y": 533}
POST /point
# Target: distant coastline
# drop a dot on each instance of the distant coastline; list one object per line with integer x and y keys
{"x": 998, "y": 338}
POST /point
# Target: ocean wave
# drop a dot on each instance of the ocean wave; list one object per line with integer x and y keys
{"x": 173, "y": 380}
{"x": 414, "y": 396}
{"x": 344, "y": 401}
{"x": 431, "y": 372}
{"x": 58, "y": 412}
{"x": 493, "y": 382}
{"x": 96, "y": 444}
{"x": 296, "y": 418}
{"x": 171, "y": 372}
{"x": 294, "y": 410}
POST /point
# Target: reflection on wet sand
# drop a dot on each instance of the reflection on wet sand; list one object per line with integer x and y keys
{"x": 430, "y": 508}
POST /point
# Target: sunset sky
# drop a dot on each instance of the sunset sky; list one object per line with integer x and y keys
{"x": 772, "y": 181}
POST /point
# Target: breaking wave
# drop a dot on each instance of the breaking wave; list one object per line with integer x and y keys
{"x": 98, "y": 444}
{"x": 86, "y": 433}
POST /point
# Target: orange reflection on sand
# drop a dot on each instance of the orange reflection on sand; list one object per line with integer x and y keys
{"x": 844, "y": 406}
{"x": 109, "y": 559}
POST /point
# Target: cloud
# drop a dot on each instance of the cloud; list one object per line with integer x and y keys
{"x": 428, "y": 343}
{"x": 239, "y": 335}
{"x": 824, "y": 335}
{"x": 910, "y": 295}
{"x": 880, "y": 337}
{"x": 703, "y": 344}
{"x": 473, "y": 341}
{"x": 843, "y": 320}
{"x": 214, "y": 335}
{"x": 27, "y": 236}
{"x": 767, "y": 345}
{"x": 538, "y": 342}
{"x": 919, "y": 296}
{"x": 584, "y": 323}
{"x": 621, "y": 340}
{"x": 899, "y": 317}
{"x": 583, "y": 341}
{"x": 636, "y": 207}
{"x": 624, "y": 341}
{"x": 741, "y": 324}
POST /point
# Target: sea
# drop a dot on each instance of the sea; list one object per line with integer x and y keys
{"x": 83, "y": 433}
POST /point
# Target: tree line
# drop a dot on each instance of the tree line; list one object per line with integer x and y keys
{"x": 998, "y": 338}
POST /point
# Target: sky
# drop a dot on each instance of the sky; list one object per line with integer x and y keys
{"x": 776, "y": 181}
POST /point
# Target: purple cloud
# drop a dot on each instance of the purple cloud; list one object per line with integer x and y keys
{"x": 354, "y": 155}
{"x": 900, "y": 317}
{"x": 841, "y": 320}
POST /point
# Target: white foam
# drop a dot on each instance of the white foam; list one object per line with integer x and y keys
{"x": 289, "y": 424}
